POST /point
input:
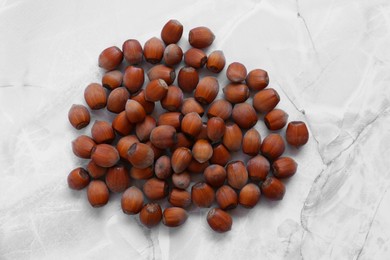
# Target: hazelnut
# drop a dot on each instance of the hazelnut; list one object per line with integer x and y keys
{"x": 121, "y": 124}
{"x": 191, "y": 124}
{"x": 220, "y": 108}
{"x": 132, "y": 201}
{"x": 155, "y": 189}
{"x": 251, "y": 142}
{"x": 244, "y": 115}
{"x": 181, "y": 158}
{"x": 117, "y": 179}
{"x": 78, "y": 179}
{"x": 273, "y": 189}
{"x": 102, "y": 132}
{"x": 257, "y": 79}
{"x": 201, "y": 37}
{"x": 202, "y": 195}
{"x": 140, "y": 98}
{"x": 97, "y": 193}
{"x": 117, "y": 100}
{"x": 216, "y": 61}
{"x": 157, "y": 151}
{"x": 180, "y": 198}
{"x": 237, "y": 175}
{"x": 153, "y": 50}
{"x": 133, "y": 78}
{"x": 105, "y": 155}
{"x": 221, "y": 155}
{"x": 112, "y": 79}
{"x": 187, "y": 79}
{"x": 171, "y": 118}
{"x": 82, "y": 146}
{"x": 173, "y": 100}
{"x": 163, "y": 72}
{"x": 144, "y": 128}
{"x": 181, "y": 180}
{"x": 236, "y": 92}
{"x": 232, "y": 138}
{"x": 284, "y": 167}
{"x": 96, "y": 171}
{"x": 272, "y": 146}
{"x": 195, "y": 58}
{"x": 197, "y": 167}
{"x": 162, "y": 167}
{"x": 275, "y": 119}
{"x": 215, "y": 175}
{"x": 156, "y": 90}
{"x": 172, "y": 32}
{"x": 202, "y": 150}
{"x": 249, "y": 195}
{"x": 236, "y": 72}
{"x": 132, "y": 50}
{"x": 150, "y": 215}
{"x": 258, "y": 168}
{"x": 140, "y": 155}
{"x": 124, "y": 144}
{"x": 173, "y": 55}
{"x": 226, "y": 197}
{"x": 135, "y": 112}
{"x": 110, "y": 58}
{"x": 141, "y": 174}
{"x": 182, "y": 141}
{"x": 191, "y": 105}
{"x": 79, "y": 116}
{"x": 95, "y": 96}
{"x": 297, "y": 133}
{"x": 219, "y": 220}
{"x": 163, "y": 136}
{"x": 265, "y": 100}
{"x": 174, "y": 217}
{"x": 206, "y": 90}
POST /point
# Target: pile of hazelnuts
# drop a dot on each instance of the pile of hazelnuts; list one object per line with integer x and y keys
{"x": 150, "y": 157}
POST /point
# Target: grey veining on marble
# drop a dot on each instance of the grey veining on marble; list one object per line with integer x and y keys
{"x": 328, "y": 59}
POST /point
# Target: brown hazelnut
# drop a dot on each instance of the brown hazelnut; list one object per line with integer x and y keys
{"x": 197, "y": 167}
{"x": 173, "y": 100}
{"x": 180, "y": 198}
{"x": 187, "y": 79}
{"x": 157, "y": 151}
{"x": 232, "y": 139}
{"x": 163, "y": 136}
{"x": 215, "y": 175}
{"x": 171, "y": 118}
{"x": 272, "y": 146}
{"x": 132, "y": 50}
{"x": 153, "y": 50}
{"x": 144, "y": 128}
{"x": 257, "y": 79}
{"x": 110, "y": 58}
{"x": 105, "y": 155}
{"x": 121, "y": 124}
{"x": 182, "y": 141}
{"x": 174, "y": 217}
{"x": 173, "y": 55}
{"x": 82, "y": 146}
{"x": 132, "y": 201}
{"x": 79, "y": 116}
{"x": 216, "y": 61}
{"x": 97, "y": 193}
{"x": 219, "y": 220}
{"x": 195, "y": 58}
{"x": 284, "y": 167}
{"x": 156, "y": 90}
{"x": 221, "y": 155}
{"x": 202, "y": 150}
{"x": 251, "y": 142}
{"x": 237, "y": 175}
{"x": 220, "y": 108}
{"x": 191, "y": 105}
{"x": 297, "y": 133}
{"x": 249, "y": 195}
{"x": 162, "y": 167}
{"x": 135, "y": 112}
{"x": 124, "y": 145}
{"x": 78, "y": 179}
{"x": 133, "y": 78}
{"x": 258, "y": 168}
{"x": 117, "y": 99}
{"x": 226, "y": 197}
{"x": 181, "y": 180}
{"x": 95, "y": 96}
{"x": 112, "y": 79}
{"x": 236, "y": 72}
{"x": 172, "y": 32}
{"x": 117, "y": 179}
{"x": 141, "y": 174}
{"x": 102, "y": 132}
{"x": 273, "y": 189}
{"x": 96, "y": 171}
{"x": 191, "y": 124}
{"x": 140, "y": 98}
{"x": 202, "y": 195}
{"x": 275, "y": 119}
{"x": 181, "y": 158}
{"x": 163, "y": 72}
{"x": 265, "y": 100}
{"x": 150, "y": 215}
{"x": 140, "y": 155}
{"x": 244, "y": 115}
{"x": 207, "y": 90}
{"x": 201, "y": 37}
{"x": 155, "y": 189}
{"x": 236, "y": 92}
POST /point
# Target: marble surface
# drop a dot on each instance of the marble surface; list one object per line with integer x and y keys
{"x": 329, "y": 60}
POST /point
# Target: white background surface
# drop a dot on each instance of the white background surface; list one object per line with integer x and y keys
{"x": 328, "y": 59}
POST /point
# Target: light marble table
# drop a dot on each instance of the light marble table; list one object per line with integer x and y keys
{"x": 329, "y": 60}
